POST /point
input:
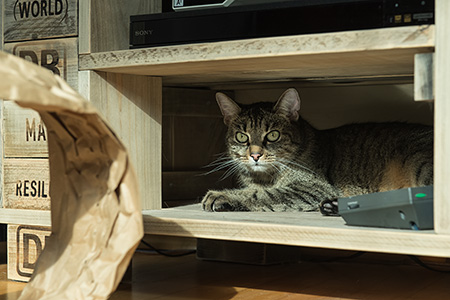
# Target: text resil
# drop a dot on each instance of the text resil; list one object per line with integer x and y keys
{"x": 31, "y": 188}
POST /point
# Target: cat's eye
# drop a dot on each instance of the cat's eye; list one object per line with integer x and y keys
{"x": 241, "y": 137}
{"x": 273, "y": 136}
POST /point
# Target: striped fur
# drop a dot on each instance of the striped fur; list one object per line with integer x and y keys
{"x": 284, "y": 164}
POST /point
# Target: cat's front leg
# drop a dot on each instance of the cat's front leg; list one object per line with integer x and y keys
{"x": 222, "y": 201}
{"x": 329, "y": 207}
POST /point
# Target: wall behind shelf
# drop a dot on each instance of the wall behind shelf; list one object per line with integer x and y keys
{"x": 334, "y": 105}
{"x": 193, "y": 135}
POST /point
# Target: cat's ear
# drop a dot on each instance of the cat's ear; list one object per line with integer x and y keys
{"x": 288, "y": 104}
{"x": 228, "y": 107}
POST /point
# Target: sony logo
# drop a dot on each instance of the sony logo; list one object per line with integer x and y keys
{"x": 143, "y": 32}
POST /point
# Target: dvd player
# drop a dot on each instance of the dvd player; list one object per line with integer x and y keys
{"x": 275, "y": 19}
{"x": 205, "y": 4}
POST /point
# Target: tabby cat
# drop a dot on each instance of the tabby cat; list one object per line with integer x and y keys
{"x": 284, "y": 164}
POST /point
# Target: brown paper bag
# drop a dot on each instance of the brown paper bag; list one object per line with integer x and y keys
{"x": 95, "y": 208}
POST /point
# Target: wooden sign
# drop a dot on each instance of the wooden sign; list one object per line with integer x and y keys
{"x": 32, "y": 19}
{"x": 26, "y": 184}
{"x": 24, "y": 134}
{"x": 25, "y": 244}
{"x": 59, "y": 56}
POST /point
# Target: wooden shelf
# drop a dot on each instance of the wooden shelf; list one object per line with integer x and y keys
{"x": 299, "y": 229}
{"x": 366, "y": 53}
{"x": 25, "y": 217}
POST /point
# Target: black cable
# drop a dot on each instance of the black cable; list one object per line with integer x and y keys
{"x": 424, "y": 265}
{"x": 168, "y": 254}
{"x": 335, "y": 259}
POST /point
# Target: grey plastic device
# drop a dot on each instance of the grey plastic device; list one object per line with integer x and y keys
{"x": 410, "y": 208}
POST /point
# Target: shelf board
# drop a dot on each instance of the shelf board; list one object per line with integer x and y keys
{"x": 298, "y": 229}
{"x": 25, "y": 217}
{"x": 383, "y": 52}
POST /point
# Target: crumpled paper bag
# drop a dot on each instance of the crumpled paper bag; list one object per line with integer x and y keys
{"x": 95, "y": 209}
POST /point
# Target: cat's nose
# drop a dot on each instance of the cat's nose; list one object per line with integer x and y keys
{"x": 255, "y": 156}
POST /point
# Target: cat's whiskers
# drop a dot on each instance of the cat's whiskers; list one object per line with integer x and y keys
{"x": 219, "y": 164}
{"x": 234, "y": 165}
{"x": 221, "y": 157}
{"x": 289, "y": 164}
{"x": 231, "y": 171}
{"x": 278, "y": 168}
{"x": 225, "y": 162}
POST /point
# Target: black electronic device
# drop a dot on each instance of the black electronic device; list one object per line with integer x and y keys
{"x": 410, "y": 208}
{"x": 180, "y": 5}
{"x": 275, "y": 19}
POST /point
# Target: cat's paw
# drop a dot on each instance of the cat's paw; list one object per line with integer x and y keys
{"x": 217, "y": 201}
{"x": 222, "y": 201}
{"x": 329, "y": 207}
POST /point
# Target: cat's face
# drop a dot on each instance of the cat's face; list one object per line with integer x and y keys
{"x": 260, "y": 136}
{"x": 260, "y": 140}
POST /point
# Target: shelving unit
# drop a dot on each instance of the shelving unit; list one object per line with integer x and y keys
{"x": 381, "y": 53}
{"x": 132, "y": 81}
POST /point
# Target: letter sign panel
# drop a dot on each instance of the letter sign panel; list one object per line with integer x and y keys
{"x": 25, "y": 244}
{"x": 26, "y": 184}
{"x": 40, "y": 19}
{"x": 24, "y": 133}
{"x": 58, "y": 55}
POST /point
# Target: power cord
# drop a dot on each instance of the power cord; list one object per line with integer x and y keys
{"x": 336, "y": 259}
{"x": 166, "y": 253}
{"x": 424, "y": 265}
{"x": 414, "y": 258}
